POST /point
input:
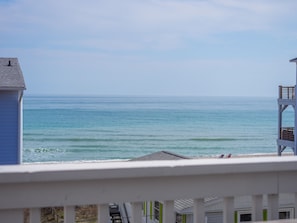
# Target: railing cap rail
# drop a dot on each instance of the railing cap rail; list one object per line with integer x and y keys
{"x": 139, "y": 169}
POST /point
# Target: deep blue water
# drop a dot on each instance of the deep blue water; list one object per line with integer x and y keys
{"x": 97, "y": 128}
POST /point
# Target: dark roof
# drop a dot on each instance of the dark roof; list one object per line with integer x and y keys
{"x": 161, "y": 155}
{"x": 11, "y": 76}
{"x": 294, "y": 60}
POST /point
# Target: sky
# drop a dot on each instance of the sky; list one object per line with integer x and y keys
{"x": 152, "y": 47}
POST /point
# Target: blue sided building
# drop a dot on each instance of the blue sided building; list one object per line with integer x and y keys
{"x": 12, "y": 85}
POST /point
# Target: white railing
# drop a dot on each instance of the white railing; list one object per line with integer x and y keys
{"x": 70, "y": 184}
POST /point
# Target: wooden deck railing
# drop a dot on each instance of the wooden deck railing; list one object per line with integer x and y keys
{"x": 287, "y": 133}
{"x": 286, "y": 92}
{"x": 68, "y": 185}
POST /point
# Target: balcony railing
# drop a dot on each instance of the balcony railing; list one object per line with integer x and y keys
{"x": 287, "y": 133}
{"x": 286, "y": 92}
{"x": 68, "y": 185}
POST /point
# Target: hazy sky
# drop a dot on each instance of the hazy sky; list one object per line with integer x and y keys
{"x": 152, "y": 47}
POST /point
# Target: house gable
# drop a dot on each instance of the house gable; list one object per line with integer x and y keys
{"x": 11, "y": 76}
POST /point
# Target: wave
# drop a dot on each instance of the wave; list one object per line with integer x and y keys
{"x": 73, "y": 139}
{"x": 88, "y": 141}
{"x": 214, "y": 139}
{"x": 74, "y": 149}
{"x": 33, "y": 134}
{"x": 43, "y": 150}
{"x": 94, "y": 150}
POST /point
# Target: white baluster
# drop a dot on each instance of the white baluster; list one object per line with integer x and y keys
{"x": 35, "y": 215}
{"x": 257, "y": 207}
{"x": 103, "y": 213}
{"x": 136, "y": 212}
{"x": 199, "y": 211}
{"x": 272, "y": 211}
{"x": 295, "y": 205}
{"x": 168, "y": 212}
{"x": 228, "y": 210}
{"x": 69, "y": 214}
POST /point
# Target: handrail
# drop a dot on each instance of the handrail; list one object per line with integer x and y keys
{"x": 36, "y": 186}
{"x": 130, "y": 181}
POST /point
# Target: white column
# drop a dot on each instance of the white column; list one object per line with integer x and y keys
{"x": 136, "y": 212}
{"x": 295, "y": 111}
{"x": 228, "y": 210}
{"x": 272, "y": 208}
{"x": 257, "y": 208}
{"x": 168, "y": 212}
{"x": 12, "y": 215}
{"x": 199, "y": 211}
{"x": 69, "y": 214}
{"x": 103, "y": 213}
{"x": 35, "y": 215}
{"x": 295, "y": 206}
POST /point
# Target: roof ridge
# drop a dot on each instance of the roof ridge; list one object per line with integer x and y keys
{"x": 175, "y": 154}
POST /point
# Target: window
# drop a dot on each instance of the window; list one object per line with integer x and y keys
{"x": 285, "y": 213}
{"x": 244, "y": 216}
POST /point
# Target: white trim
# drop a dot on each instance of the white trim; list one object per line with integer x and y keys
{"x": 20, "y": 127}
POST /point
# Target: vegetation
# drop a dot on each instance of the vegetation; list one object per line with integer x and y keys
{"x": 83, "y": 214}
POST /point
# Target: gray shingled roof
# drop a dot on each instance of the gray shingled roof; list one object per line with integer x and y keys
{"x": 11, "y": 76}
{"x": 161, "y": 155}
{"x": 185, "y": 206}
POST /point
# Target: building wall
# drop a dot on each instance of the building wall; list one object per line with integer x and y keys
{"x": 9, "y": 127}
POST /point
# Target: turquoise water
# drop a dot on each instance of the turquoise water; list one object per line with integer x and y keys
{"x": 98, "y": 128}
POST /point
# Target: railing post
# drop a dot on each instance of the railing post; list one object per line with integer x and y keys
{"x": 228, "y": 210}
{"x": 295, "y": 205}
{"x": 103, "y": 213}
{"x": 69, "y": 214}
{"x": 272, "y": 210}
{"x": 12, "y": 215}
{"x": 257, "y": 207}
{"x": 280, "y": 96}
{"x": 168, "y": 212}
{"x": 198, "y": 211}
{"x": 35, "y": 215}
{"x": 136, "y": 212}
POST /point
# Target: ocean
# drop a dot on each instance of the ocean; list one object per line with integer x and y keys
{"x": 80, "y": 128}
